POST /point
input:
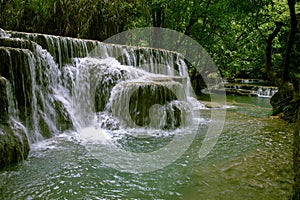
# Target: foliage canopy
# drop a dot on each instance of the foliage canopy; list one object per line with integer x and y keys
{"x": 234, "y": 32}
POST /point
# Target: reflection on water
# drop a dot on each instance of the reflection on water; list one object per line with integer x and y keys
{"x": 252, "y": 106}
{"x": 252, "y": 160}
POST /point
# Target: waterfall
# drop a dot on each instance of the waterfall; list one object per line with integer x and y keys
{"x": 104, "y": 85}
{"x": 55, "y": 84}
{"x": 266, "y": 91}
{"x": 250, "y": 88}
{"x": 34, "y": 78}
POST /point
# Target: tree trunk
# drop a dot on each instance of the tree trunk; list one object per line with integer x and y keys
{"x": 268, "y": 53}
{"x": 289, "y": 46}
{"x": 286, "y": 92}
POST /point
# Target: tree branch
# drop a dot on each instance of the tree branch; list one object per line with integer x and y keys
{"x": 269, "y": 68}
{"x": 256, "y": 25}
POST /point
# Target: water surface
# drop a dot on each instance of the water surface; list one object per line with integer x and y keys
{"x": 251, "y": 160}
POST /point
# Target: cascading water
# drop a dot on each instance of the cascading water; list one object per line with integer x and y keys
{"x": 34, "y": 77}
{"x": 266, "y": 91}
{"x": 73, "y": 91}
{"x": 104, "y": 85}
{"x": 126, "y": 102}
{"x": 250, "y": 89}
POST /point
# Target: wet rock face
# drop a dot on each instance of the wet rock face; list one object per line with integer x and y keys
{"x": 286, "y": 109}
{"x": 14, "y": 145}
{"x": 154, "y": 102}
{"x": 3, "y": 101}
{"x": 24, "y": 67}
{"x": 63, "y": 120}
{"x": 16, "y": 70}
{"x": 104, "y": 88}
{"x": 145, "y": 97}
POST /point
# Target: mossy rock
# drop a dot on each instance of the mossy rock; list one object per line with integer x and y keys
{"x": 3, "y": 100}
{"x": 103, "y": 91}
{"x": 108, "y": 121}
{"x": 63, "y": 118}
{"x": 18, "y": 43}
{"x": 63, "y": 49}
{"x": 14, "y": 146}
{"x": 145, "y": 96}
{"x": 15, "y": 67}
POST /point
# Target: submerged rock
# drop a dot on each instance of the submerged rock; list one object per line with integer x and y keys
{"x": 213, "y": 105}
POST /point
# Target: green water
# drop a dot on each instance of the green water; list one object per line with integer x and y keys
{"x": 252, "y": 160}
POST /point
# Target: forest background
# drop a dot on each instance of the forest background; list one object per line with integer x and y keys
{"x": 257, "y": 39}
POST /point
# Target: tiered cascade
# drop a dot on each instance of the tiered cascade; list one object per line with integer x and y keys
{"x": 52, "y": 84}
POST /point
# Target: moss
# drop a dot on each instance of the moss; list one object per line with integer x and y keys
{"x": 103, "y": 90}
{"x": 143, "y": 98}
{"x": 61, "y": 48}
{"x": 3, "y": 100}
{"x": 17, "y": 43}
{"x": 44, "y": 128}
{"x": 14, "y": 146}
{"x": 63, "y": 119}
{"x": 15, "y": 67}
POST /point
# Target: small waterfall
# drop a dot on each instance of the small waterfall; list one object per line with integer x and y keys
{"x": 36, "y": 85}
{"x": 104, "y": 85}
{"x": 266, "y": 91}
{"x": 250, "y": 88}
{"x": 130, "y": 102}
